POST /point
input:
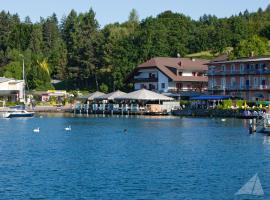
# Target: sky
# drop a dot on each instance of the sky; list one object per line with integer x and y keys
{"x": 110, "y": 11}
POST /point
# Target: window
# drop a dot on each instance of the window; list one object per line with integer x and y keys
{"x": 162, "y": 85}
{"x": 232, "y": 68}
{"x": 180, "y": 73}
{"x": 152, "y": 75}
{"x": 194, "y": 74}
{"x": 242, "y": 81}
{"x": 263, "y": 81}
{"x": 223, "y": 83}
{"x": 247, "y": 83}
{"x": 255, "y": 81}
{"x": 152, "y": 87}
{"x": 223, "y": 68}
{"x": 179, "y": 85}
{"x": 242, "y": 67}
{"x": 142, "y": 86}
{"x": 233, "y": 82}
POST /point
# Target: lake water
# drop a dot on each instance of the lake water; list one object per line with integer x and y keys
{"x": 157, "y": 158}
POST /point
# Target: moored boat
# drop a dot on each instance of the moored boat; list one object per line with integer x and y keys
{"x": 18, "y": 113}
{"x": 263, "y": 125}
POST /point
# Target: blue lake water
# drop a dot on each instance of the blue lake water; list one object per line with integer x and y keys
{"x": 157, "y": 158}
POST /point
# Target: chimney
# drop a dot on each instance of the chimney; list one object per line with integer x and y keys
{"x": 178, "y": 55}
{"x": 193, "y": 59}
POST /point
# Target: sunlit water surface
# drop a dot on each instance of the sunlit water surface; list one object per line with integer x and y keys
{"x": 156, "y": 158}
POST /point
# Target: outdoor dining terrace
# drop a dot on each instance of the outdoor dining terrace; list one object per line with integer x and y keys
{"x": 135, "y": 103}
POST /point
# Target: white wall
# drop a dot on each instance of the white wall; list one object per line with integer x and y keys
{"x": 187, "y": 74}
{"x": 162, "y": 79}
{"x": 13, "y": 85}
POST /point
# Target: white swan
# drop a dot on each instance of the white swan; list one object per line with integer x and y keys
{"x": 36, "y": 130}
{"x": 68, "y": 128}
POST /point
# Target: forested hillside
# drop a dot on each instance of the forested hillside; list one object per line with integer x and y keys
{"x": 75, "y": 49}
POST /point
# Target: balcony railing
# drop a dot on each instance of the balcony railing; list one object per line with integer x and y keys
{"x": 240, "y": 87}
{"x": 239, "y": 72}
{"x": 151, "y": 79}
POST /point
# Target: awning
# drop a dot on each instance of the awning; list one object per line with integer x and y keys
{"x": 211, "y": 97}
{"x": 263, "y": 102}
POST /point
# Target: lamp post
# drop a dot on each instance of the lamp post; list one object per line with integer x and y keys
{"x": 23, "y": 77}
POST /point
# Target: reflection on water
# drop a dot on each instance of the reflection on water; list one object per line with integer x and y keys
{"x": 156, "y": 158}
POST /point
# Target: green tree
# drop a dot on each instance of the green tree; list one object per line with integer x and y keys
{"x": 254, "y": 46}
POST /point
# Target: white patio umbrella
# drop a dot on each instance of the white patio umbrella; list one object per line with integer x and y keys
{"x": 111, "y": 96}
{"x": 144, "y": 95}
{"x": 94, "y": 95}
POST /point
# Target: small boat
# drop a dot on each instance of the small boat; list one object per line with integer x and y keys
{"x": 17, "y": 113}
{"x": 263, "y": 125}
{"x": 36, "y": 130}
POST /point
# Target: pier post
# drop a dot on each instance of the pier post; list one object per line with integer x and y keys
{"x": 252, "y": 126}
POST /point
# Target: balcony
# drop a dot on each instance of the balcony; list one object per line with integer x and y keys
{"x": 145, "y": 80}
{"x": 239, "y": 87}
{"x": 239, "y": 72}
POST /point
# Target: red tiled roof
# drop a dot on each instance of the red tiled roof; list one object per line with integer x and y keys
{"x": 181, "y": 64}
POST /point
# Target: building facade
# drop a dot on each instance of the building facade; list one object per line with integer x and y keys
{"x": 173, "y": 75}
{"x": 11, "y": 90}
{"x": 247, "y": 78}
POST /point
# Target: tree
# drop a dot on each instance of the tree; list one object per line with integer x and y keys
{"x": 254, "y": 46}
{"x": 133, "y": 16}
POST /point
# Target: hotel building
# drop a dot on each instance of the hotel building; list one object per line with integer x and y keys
{"x": 163, "y": 74}
{"x": 247, "y": 78}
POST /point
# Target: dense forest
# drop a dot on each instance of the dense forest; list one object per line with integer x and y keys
{"x": 84, "y": 56}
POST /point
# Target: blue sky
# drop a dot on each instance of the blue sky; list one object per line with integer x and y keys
{"x": 108, "y": 11}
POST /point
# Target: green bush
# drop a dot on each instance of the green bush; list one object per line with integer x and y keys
{"x": 104, "y": 88}
{"x": 227, "y": 104}
{"x": 239, "y": 103}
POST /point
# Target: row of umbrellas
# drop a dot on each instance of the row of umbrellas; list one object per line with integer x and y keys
{"x": 142, "y": 94}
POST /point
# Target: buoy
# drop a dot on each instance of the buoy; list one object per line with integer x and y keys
{"x": 68, "y": 128}
{"x": 36, "y": 130}
{"x": 223, "y": 120}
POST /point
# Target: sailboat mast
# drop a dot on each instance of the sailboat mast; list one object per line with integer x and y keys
{"x": 23, "y": 82}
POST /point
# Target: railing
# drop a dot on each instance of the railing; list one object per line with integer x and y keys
{"x": 187, "y": 90}
{"x": 152, "y": 79}
{"x": 240, "y": 87}
{"x": 239, "y": 72}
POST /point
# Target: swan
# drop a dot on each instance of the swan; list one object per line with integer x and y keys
{"x": 36, "y": 130}
{"x": 223, "y": 120}
{"x": 68, "y": 128}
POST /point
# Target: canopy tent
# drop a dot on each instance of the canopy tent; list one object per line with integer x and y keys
{"x": 110, "y": 96}
{"x": 211, "y": 97}
{"x": 263, "y": 103}
{"x": 144, "y": 95}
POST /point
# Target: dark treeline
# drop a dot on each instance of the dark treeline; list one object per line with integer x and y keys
{"x": 76, "y": 50}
